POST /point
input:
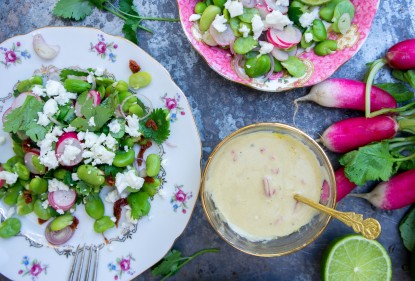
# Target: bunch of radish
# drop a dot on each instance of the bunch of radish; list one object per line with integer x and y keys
{"x": 375, "y": 132}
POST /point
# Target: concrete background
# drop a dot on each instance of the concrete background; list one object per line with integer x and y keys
{"x": 220, "y": 107}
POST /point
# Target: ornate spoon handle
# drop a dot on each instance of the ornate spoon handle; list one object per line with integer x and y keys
{"x": 370, "y": 228}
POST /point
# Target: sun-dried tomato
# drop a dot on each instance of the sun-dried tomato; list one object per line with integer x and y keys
{"x": 27, "y": 197}
{"x": 143, "y": 148}
{"x": 118, "y": 208}
{"x": 26, "y": 145}
{"x": 40, "y": 221}
{"x": 134, "y": 67}
{"x": 149, "y": 180}
{"x": 75, "y": 223}
{"x": 152, "y": 124}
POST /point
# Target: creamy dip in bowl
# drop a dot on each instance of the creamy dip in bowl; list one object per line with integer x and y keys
{"x": 248, "y": 187}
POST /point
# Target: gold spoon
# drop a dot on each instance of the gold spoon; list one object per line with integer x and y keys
{"x": 370, "y": 228}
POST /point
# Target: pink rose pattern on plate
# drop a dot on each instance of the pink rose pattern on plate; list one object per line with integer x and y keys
{"x": 13, "y": 55}
{"x": 33, "y": 268}
{"x": 173, "y": 105}
{"x": 103, "y": 49}
{"x": 122, "y": 266}
{"x": 179, "y": 199}
{"x": 220, "y": 60}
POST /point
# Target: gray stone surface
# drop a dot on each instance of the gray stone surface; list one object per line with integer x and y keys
{"x": 220, "y": 107}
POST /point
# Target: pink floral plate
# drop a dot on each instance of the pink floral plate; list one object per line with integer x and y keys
{"x": 318, "y": 68}
{"x": 131, "y": 248}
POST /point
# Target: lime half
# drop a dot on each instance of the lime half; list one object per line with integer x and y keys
{"x": 354, "y": 257}
{"x": 314, "y": 2}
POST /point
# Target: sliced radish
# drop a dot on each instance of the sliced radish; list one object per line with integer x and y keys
{"x": 263, "y": 11}
{"x": 208, "y": 39}
{"x": 279, "y": 54}
{"x": 290, "y": 35}
{"x": 273, "y": 39}
{"x": 62, "y": 199}
{"x": 272, "y": 5}
{"x": 58, "y": 237}
{"x": 28, "y": 161}
{"x": 69, "y": 149}
{"x": 222, "y": 38}
{"x": 293, "y": 50}
{"x": 95, "y": 96}
{"x": 5, "y": 113}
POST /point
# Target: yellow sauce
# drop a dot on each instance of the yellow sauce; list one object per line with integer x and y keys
{"x": 253, "y": 178}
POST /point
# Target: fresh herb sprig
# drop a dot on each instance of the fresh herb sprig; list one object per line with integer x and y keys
{"x": 80, "y": 9}
{"x": 174, "y": 261}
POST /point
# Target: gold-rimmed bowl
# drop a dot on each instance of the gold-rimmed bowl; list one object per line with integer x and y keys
{"x": 280, "y": 245}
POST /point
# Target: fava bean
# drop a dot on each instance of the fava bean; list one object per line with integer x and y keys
{"x": 209, "y": 2}
{"x": 42, "y": 213}
{"x": 208, "y": 17}
{"x": 153, "y": 163}
{"x": 136, "y": 109}
{"x": 257, "y": 66}
{"x": 129, "y": 142}
{"x": 109, "y": 90}
{"x": 60, "y": 174}
{"x": 101, "y": 90}
{"x": 243, "y": 45}
{"x": 12, "y": 194}
{"x": 235, "y": 25}
{"x": 123, "y": 158}
{"x": 294, "y": 66}
{"x": 91, "y": 175}
{"x": 327, "y": 11}
{"x": 248, "y": 14}
{"x": 325, "y": 48}
{"x": 140, "y": 206}
{"x": 128, "y": 103}
{"x": 10, "y": 227}
{"x": 36, "y": 80}
{"x": 219, "y": 3}
{"x": 104, "y": 81}
{"x": 76, "y": 86}
{"x": 151, "y": 188}
{"x": 24, "y": 86}
{"x": 121, "y": 86}
{"x": 61, "y": 222}
{"x": 123, "y": 95}
{"x": 94, "y": 207}
{"x": 38, "y": 185}
{"x": 319, "y": 31}
{"x": 18, "y": 150}
{"x": 38, "y": 166}
{"x": 22, "y": 207}
{"x": 103, "y": 224}
{"x": 14, "y": 160}
{"x": 277, "y": 65}
{"x": 139, "y": 80}
{"x": 200, "y": 7}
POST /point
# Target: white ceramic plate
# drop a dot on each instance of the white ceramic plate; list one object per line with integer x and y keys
{"x": 132, "y": 248}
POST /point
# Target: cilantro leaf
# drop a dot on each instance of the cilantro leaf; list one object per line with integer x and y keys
{"x": 130, "y": 30}
{"x": 294, "y": 14}
{"x": 110, "y": 170}
{"x": 68, "y": 71}
{"x": 370, "y": 162}
{"x": 174, "y": 261}
{"x": 24, "y": 118}
{"x": 98, "y": 3}
{"x": 127, "y": 6}
{"x": 400, "y": 92}
{"x": 407, "y": 229}
{"x": 72, "y": 9}
{"x": 159, "y": 116}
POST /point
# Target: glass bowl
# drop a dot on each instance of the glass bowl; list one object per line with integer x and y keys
{"x": 280, "y": 245}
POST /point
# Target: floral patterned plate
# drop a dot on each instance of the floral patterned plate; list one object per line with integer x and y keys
{"x": 131, "y": 248}
{"x": 318, "y": 68}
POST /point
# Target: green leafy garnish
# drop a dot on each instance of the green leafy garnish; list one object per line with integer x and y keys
{"x": 110, "y": 170}
{"x": 405, "y": 76}
{"x": 294, "y": 14}
{"x": 400, "y": 92}
{"x": 79, "y": 9}
{"x": 162, "y": 132}
{"x": 407, "y": 229}
{"x": 24, "y": 118}
{"x": 174, "y": 261}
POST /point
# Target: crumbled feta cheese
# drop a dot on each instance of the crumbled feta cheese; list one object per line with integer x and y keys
{"x": 60, "y": 211}
{"x": 47, "y": 153}
{"x": 99, "y": 71}
{"x": 9, "y": 177}
{"x": 112, "y": 196}
{"x": 244, "y": 30}
{"x": 111, "y": 142}
{"x": 91, "y": 122}
{"x": 69, "y": 129}
{"x": 132, "y": 126}
{"x": 308, "y": 37}
{"x": 307, "y": 19}
{"x": 50, "y": 107}
{"x": 114, "y": 126}
{"x": 69, "y": 154}
{"x": 194, "y": 17}
{"x": 54, "y": 88}
{"x": 128, "y": 179}
{"x": 162, "y": 193}
{"x": 277, "y": 20}
{"x": 43, "y": 119}
{"x": 75, "y": 177}
{"x": 235, "y": 8}
{"x": 90, "y": 78}
{"x": 265, "y": 47}
{"x": 49, "y": 160}
{"x": 219, "y": 23}
{"x": 39, "y": 91}
{"x": 126, "y": 148}
{"x": 2, "y": 140}
{"x": 45, "y": 204}
{"x": 55, "y": 185}
{"x": 257, "y": 26}
{"x": 64, "y": 97}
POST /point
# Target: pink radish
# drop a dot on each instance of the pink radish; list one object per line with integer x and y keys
{"x": 273, "y": 39}
{"x": 271, "y": 4}
{"x": 344, "y": 185}
{"x": 349, "y": 134}
{"x": 95, "y": 96}
{"x": 290, "y": 35}
{"x": 346, "y": 93}
{"x": 59, "y": 237}
{"x": 69, "y": 149}
{"x": 400, "y": 56}
{"x": 28, "y": 161}
{"x": 396, "y": 193}
{"x": 279, "y": 54}
{"x": 62, "y": 199}
{"x": 263, "y": 11}
{"x": 222, "y": 38}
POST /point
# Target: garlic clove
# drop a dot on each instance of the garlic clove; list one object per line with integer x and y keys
{"x": 44, "y": 50}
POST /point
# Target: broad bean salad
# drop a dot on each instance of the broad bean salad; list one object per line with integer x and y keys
{"x": 265, "y": 37}
{"x": 71, "y": 137}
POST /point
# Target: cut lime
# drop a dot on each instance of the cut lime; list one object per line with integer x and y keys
{"x": 354, "y": 257}
{"x": 314, "y": 2}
